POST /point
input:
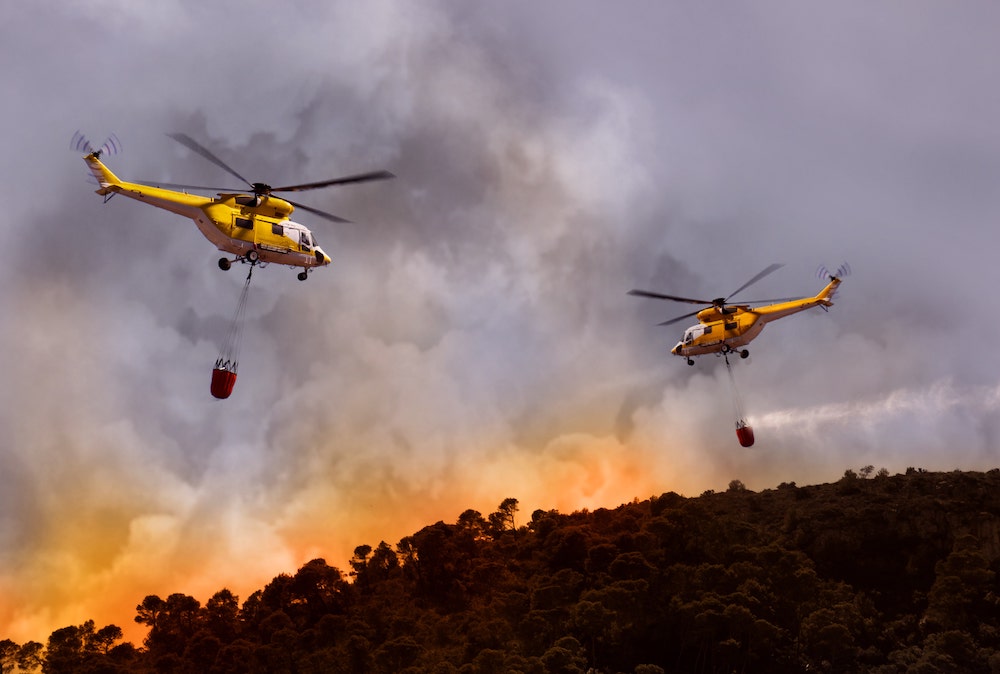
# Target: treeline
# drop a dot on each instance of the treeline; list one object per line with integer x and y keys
{"x": 882, "y": 574}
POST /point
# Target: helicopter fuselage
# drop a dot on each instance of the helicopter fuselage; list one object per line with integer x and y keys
{"x": 251, "y": 227}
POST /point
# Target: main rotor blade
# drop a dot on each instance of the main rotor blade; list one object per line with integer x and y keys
{"x": 679, "y": 318}
{"x": 315, "y": 211}
{"x": 673, "y": 298}
{"x": 346, "y": 180}
{"x": 773, "y": 268}
{"x": 175, "y": 186}
{"x": 191, "y": 144}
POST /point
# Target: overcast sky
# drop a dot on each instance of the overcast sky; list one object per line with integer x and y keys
{"x": 473, "y": 339}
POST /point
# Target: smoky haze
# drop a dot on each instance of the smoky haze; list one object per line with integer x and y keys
{"x": 473, "y": 340}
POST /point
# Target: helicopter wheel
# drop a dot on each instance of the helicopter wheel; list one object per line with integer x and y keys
{"x": 690, "y": 361}
{"x": 744, "y": 354}
{"x": 252, "y": 257}
{"x": 224, "y": 264}
{"x": 303, "y": 276}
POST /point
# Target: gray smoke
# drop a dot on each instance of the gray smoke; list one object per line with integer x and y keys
{"x": 473, "y": 340}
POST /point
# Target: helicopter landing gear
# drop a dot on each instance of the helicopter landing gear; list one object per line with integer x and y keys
{"x": 252, "y": 258}
{"x": 726, "y": 350}
{"x": 302, "y": 276}
{"x": 690, "y": 361}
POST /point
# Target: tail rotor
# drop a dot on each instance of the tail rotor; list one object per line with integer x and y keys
{"x": 826, "y": 275}
{"x": 81, "y": 143}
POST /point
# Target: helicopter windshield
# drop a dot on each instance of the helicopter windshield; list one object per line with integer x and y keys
{"x": 300, "y": 235}
{"x": 694, "y": 333}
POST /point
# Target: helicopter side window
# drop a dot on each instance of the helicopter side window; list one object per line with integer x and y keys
{"x": 304, "y": 240}
{"x": 245, "y": 223}
{"x": 244, "y": 200}
{"x": 731, "y": 326}
{"x": 277, "y": 229}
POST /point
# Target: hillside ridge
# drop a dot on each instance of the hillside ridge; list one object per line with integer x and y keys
{"x": 883, "y": 573}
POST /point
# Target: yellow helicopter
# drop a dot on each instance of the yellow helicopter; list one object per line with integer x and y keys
{"x": 255, "y": 227}
{"x": 724, "y": 328}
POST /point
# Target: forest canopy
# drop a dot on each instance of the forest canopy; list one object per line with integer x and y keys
{"x": 872, "y": 573}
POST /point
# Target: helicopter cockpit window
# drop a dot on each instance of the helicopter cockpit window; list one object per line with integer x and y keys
{"x": 693, "y": 333}
{"x": 304, "y": 239}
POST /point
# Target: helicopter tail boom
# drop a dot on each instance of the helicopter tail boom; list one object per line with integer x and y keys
{"x": 188, "y": 205}
{"x": 823, "y": 298}
{"x": 105, "y": 178}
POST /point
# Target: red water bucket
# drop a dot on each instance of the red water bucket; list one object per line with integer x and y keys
{"x": 223, "y": 382}
{"x": 745, "y": 435}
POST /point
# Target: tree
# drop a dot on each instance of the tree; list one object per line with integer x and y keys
{"x": 503, "y": 519}
{"x": 471, "y": 522}
{"x": 30, "y": 656}
{"x": 64, "y": 652}
{"x": 829, "y": 635}
{"x": 221, "y": 615}
{"x": 962, "y": 578}
{"x": 202, "y": 650}
{"x": 360, "y": 559}
{"x": 149, "y": 611}
{"x": 8, "y": 656}
{"x": 565, "y": 657}
{"x": 103, "y": 639}
{"x": 437, "y": 563}
{"x": 951, "y": 651}
{"x": 171, "y": 621}
{"x": 235, "y": 657}
{"x": 383, "y": 563}
{"x": 591, "y": 620}
{"x": 316, "y": 590}
{"x": 397, "y": 654}
{"x": 359, "y": 654}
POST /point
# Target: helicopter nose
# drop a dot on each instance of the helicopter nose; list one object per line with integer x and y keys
{"x": 321, "y": 257}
